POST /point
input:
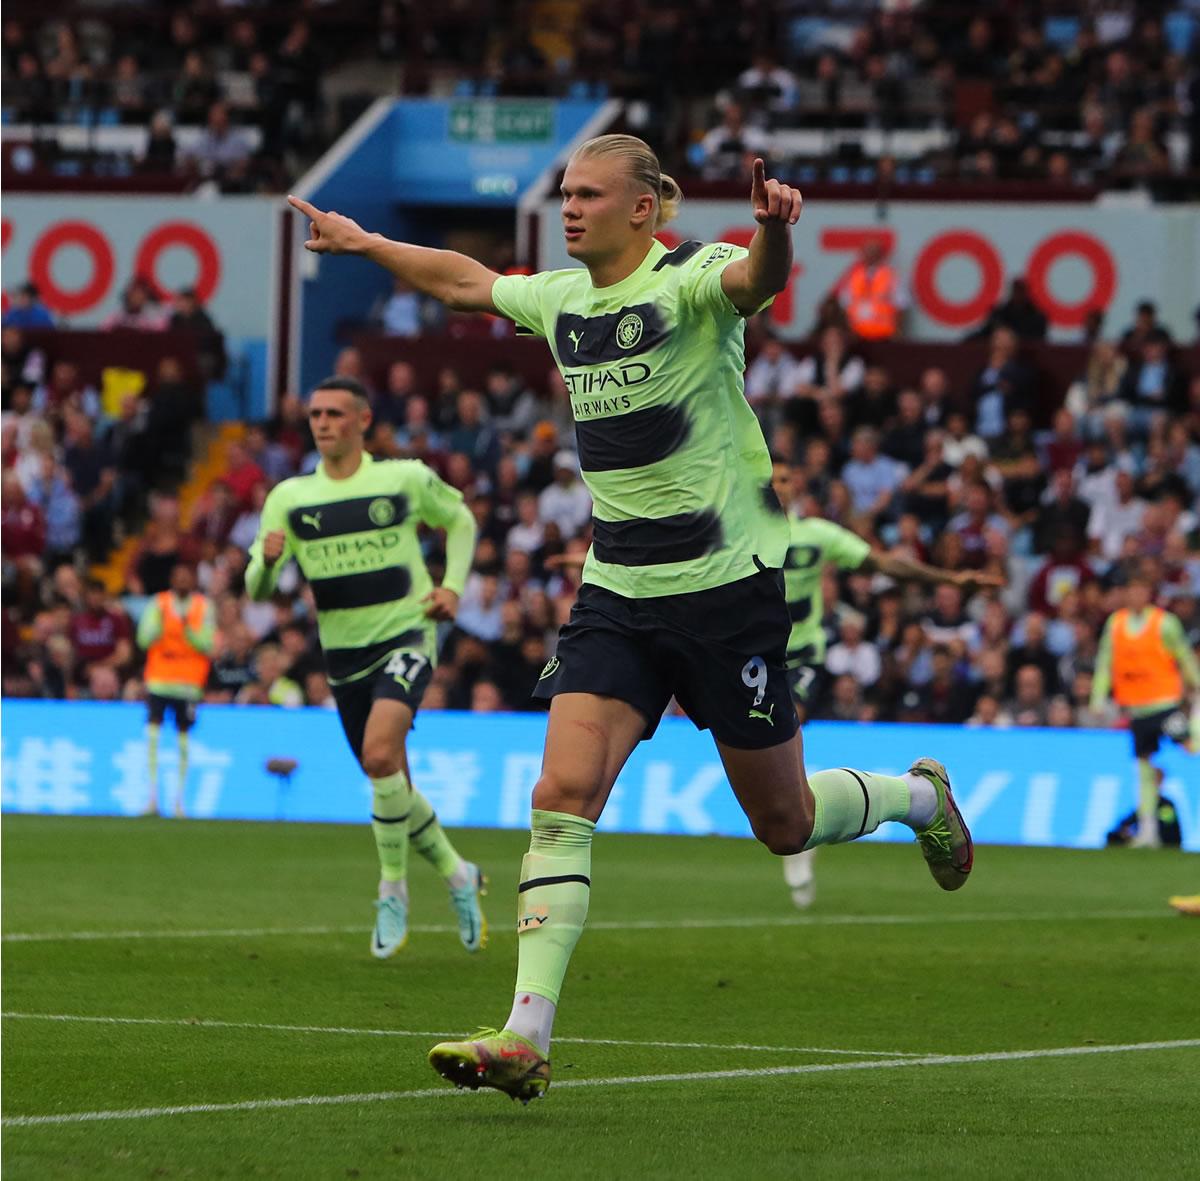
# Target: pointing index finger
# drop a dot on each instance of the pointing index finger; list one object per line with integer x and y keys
{"x": 760, "y": 173}
{"x": 303, "y": 206}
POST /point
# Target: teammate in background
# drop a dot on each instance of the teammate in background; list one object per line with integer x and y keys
{"x": 176, "y": 630}
{"x": 682, "y": 591}
{"x": 815, "y": 543}
{"x": 1145, "y": 663}
{"x": 352, "y": 527}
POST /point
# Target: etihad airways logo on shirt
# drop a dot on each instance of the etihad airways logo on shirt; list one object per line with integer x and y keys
{"x": 605, "y": 379}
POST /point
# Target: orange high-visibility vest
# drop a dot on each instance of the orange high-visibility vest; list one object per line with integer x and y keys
{"x": 171, "y": 658}
{"x": 1143, "y": 670}
{"x": 871, "y": 307}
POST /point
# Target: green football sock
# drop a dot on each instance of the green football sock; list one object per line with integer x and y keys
{"x": 850, "y": 804}
{"x": 390, "y": 802}
{"x": 1147, "y": 797}
{"x": 152, "y": 731}
{"x": 429, "y": 839}
{"x": 552, "y": 900}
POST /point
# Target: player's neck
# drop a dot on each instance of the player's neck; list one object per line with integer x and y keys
{"x": 343, "y": 467}
{"x": 607, "y": 272}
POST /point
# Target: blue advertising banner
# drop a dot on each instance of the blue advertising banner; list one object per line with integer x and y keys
{"x": 1020, "y": 787}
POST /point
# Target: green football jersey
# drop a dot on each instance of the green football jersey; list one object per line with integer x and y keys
{"x": 670, "y": 450}
{"x": 355, "y": 540}
{"x": 814, "y": 544}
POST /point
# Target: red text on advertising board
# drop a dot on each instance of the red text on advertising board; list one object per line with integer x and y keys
{"x": 92, "y": 240}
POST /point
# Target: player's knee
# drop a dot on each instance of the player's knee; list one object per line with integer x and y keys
{"x": 554, "y": 792}
{"x": 380, "y": 761}
{"x": 782, "y": 833}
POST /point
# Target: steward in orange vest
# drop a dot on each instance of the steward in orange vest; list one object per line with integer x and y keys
{"x": 1145, "y": 662}
{"x": 177, "y": 630}
{"x": 871, "y": 295}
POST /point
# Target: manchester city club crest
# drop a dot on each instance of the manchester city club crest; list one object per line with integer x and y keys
{"x": 629, "y": 330}
{"x": 381, "y": 511}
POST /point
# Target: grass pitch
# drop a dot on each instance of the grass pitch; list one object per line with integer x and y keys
{"x": 197, "y": 1000}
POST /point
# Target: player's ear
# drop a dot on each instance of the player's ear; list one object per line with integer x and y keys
{"x": 643, "y": 210}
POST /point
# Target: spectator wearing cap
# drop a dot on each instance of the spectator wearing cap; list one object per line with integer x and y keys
{"x": 28, "y": 310}
{"x": 566, "y": 502}
{"x": 537, "y": 465}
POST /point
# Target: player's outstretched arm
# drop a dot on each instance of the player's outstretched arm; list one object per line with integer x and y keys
{"x": 905, "y": 570}
{"x": 459, "y": 282}
{"x": 751, "y": 281}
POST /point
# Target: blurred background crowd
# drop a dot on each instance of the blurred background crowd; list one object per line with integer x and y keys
{"x": 1060, "y": 482}
{"x": 975, "y": 475}
{"x": 1083, "y": 95}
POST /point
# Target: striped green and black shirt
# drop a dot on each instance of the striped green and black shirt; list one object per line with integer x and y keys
{"x": 356, "y": 542}
{"x": 671, "y": 452}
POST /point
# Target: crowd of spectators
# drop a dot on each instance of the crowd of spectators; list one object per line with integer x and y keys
{"x": 1099, "y": 93}
{"x": 963, "y": 477}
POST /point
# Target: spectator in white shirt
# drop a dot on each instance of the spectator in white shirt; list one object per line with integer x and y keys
{"x": 1114, "y": 520}
{"x": 770, "y": 380}
{"x": 852, "y": 654}
{"x": 767, "y": 84}
{"x": 566, "y": 502}
{"x": 480, "y": 611}
{"x": 529, "y": 532}
{"x": 959, "y": 442}
{"x": 725, "y": 150}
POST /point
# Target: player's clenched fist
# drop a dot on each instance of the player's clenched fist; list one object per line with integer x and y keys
{"x": 272, "y": 549}
{"x": 772, "y": 201}
{"x": 330, "y": 233}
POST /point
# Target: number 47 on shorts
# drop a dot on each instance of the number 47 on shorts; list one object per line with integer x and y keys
{"x": 405, "y": 665}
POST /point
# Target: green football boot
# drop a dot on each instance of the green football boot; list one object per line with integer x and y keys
{"x": 945, "y": 840}
{"x": 498, "y": 1059}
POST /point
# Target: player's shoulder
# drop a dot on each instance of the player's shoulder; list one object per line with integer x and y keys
{"x": 694, "y": 258}
{"x": 289, "y": 490}
{"x": 819, "y": 531}
{"x": 405, "y": 474}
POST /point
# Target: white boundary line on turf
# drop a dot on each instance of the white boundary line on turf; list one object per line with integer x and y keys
{"x": 714, "y": 924}
{"x": 81, "y": 1117}
{"x": 203, "y": 1022}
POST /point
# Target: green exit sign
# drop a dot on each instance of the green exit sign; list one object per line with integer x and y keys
{"x": 489, "y": 121}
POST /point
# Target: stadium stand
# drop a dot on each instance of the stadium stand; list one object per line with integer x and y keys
{"x": 1058, "y": 466}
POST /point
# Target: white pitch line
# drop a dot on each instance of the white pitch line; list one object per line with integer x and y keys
{"x": 204, "y": 1022}
{"x": 714, "y": 924}
{"x": 80, "y": 1117}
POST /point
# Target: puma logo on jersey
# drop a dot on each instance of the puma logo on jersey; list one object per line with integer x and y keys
{"x": 313, "y": 519}
{"x": 766, "y": 717}
{"x": 575, "y": 338}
